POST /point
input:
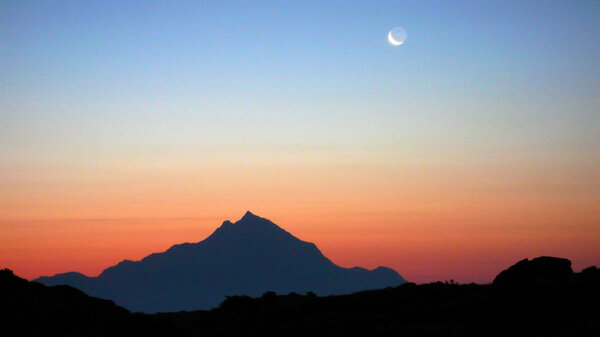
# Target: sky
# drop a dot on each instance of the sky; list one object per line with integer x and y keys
{"x": 130, "y": 126}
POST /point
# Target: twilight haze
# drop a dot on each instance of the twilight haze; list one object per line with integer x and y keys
{"x": 128, "y": 127}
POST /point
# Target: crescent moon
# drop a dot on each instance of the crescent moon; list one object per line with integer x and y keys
{"x": 392, "y": 41}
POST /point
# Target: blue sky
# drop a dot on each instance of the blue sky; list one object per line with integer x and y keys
{"x": 138, "y": 77}
{"x": 266, "y": 61}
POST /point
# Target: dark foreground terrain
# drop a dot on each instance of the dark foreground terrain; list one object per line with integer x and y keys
{"x": 539, "y": 297}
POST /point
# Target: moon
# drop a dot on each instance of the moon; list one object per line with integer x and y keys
{"x": 397, "y": 36}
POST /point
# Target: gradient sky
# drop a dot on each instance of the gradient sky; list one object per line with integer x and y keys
{"x": 126, "y": 127}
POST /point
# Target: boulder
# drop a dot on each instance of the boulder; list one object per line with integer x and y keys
{"x": 543, "y": 269}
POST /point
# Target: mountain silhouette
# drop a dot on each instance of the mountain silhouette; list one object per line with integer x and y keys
{"x": 32, "y": 309}
{"x": 248, "y": 257}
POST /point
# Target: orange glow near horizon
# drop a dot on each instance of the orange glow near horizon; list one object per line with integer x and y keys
{"x": 429, "y": 218}
{"x": 423, "y": 247}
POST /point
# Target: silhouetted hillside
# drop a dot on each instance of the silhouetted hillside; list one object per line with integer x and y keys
{"x": 32, "y": 309}
{"x": 551, "y": 306}
{"x": 567, "y": 305}
{"x": 248, "y": 257}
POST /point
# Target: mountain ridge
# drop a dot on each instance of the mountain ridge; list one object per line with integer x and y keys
{"x": 248, "y": 257}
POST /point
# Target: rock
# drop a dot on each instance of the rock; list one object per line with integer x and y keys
{"x": 543, "y": 269}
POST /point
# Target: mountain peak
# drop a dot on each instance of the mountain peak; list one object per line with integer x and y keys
{"x": 250, "y": 226}
{"x": 249, "y": 216}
